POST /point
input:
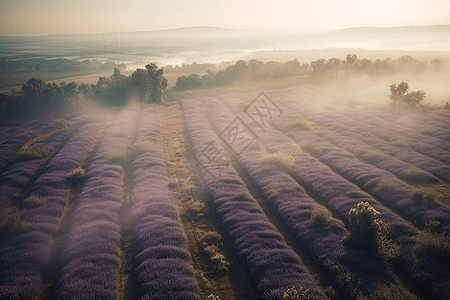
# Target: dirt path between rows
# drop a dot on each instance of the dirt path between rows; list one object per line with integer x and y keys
{"x": 198, "y": 222}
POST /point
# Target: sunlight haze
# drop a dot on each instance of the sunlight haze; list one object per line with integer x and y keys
{"x": 29, "y": 18}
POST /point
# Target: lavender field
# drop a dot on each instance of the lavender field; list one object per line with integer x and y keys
{"x": 273, "y": 195}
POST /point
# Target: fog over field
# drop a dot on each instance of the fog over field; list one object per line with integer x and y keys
{"x": 225, "y": 150}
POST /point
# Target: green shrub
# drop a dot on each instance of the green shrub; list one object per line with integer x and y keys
{"x": 77, "y": 175}
{"x": 11, "y": 222}
{"x": 401, "y": 96}
{"x": 297, "y": 293}
{"x": 368, "y": 230}
{"x": 283, "y": 160}
{"x": 210, "y": 246}
{"x": 432, "y": 241}
{"x": 320, "y": 215}
{"x": 34, "y": 201}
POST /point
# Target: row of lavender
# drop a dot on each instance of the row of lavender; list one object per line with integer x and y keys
{"x": 30, "y": 157}
{"x": 430, "y": 123}
{"x": 354, "y": 271}
{"x": 12, "y": 138}
{"x": 399, "y": 161}
{"x": 397, "y": 197}
{"x": 433, "y": 130}
{"x": 430, "y": 146}
{"x": 271, "y": 264}
{"x": 352, "y": 121}
{"x": 90, "y": 262}
{"x": 381, "y": 184}
{"x": 25, "y": 256}
{"x": 161, "y": 259}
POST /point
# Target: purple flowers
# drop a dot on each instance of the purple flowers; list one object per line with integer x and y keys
{"x": 271, "y": 264}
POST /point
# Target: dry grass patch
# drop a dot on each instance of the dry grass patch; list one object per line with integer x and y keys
{"x": 32, "y": 152}
{"x": 77, "y": 175}
{"x": 119, "y": 156}
{"x": 386, "y": 184}
{"x": 401, "y": 142}
{"x": 305, "y": 124}
{"x": 388, "y": 292}
{"x": 308, "y": 146}
{"x": 11, "y": 222}
{"x": 34, "y": 201}
{"x": 297, "y": 293}
{"x": 274, "y": 193}
{"x": 256, "y": 145}
{"x": 320, "y": 215}
{"x": 414, "y": 174}
{"x": 432, "y": 241}
{"x": 280, "y": 159}
{"x": 210, "y": 246}
{"x": 374, "y": 154}
{"x": 438, "y": 193}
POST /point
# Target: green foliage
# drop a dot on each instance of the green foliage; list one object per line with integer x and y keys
{"x": 11, "y": 222}
{"x": 432, "y": 241}
{"x": 241, "y": 71}
{"x": 320, "y": 215}
{"x": 211, "y": 246}
{"x": 401, "y": 96}
{"x": 38, "y": 96}
{"x": 367, "y": 230}
{"x": 77, "y": 175}
{"x": 297, "y": 293}
{"x": 280, "y": 159}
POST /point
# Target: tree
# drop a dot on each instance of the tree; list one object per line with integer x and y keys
{"x": 351, "y": 58}
{"x": 413, "y": 99}
{"x": 398, "y": 91}
{"x": 158, "y": 82}
{"x": 399, "y": 95}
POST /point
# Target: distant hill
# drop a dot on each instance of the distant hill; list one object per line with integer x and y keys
{"x": 436, "y": 37}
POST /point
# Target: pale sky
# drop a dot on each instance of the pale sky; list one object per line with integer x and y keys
{"x": 33, "y": 17}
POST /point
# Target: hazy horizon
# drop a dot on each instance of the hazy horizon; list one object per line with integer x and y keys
{"x": 25, "y": 18}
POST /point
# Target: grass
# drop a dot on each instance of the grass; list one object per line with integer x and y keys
{"x": 320, "y": 215}
{"x": 308, "y": 146}
{"x": 388, "y": 292}
{"x": 210, "y": 246}
{"x": 28, "y": 152}
{"x": 401, "y": 142}
{"x": 374, "y": 155}
{"x": 11, "y": 222}
{"x": 280, "y": 159}
{"x": 433, "y": 242}
{"x": 305, "y": 124}
{"x": 34, "y": 201}
{"x": 256, "y": 145}
{"x": 127, "y": 155}
{"x": 77, "y": 175}
{"x": 297, "y": 293}
{"x": 385, "y": 184}
{"x": 438, "y": 193}
{"x": 414, "y": 174}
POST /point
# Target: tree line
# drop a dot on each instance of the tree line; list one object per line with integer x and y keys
{"x": 59, "y": 65}
{"x": 37, "y": 97}
{"x": 320, "y": 69}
